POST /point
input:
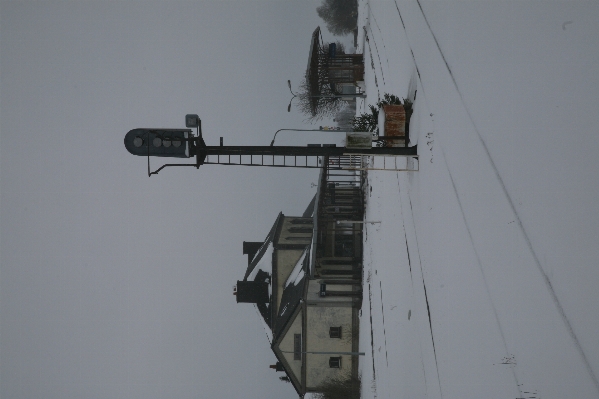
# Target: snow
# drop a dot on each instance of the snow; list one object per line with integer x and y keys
{"x": 297, "y": 274}
{"x": 266, "y": 327}
{"x": 264, "y": 264}
{"x": 480, "y": 281}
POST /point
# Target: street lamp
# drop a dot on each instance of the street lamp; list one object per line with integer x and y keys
{"x": 329, "y": 353}
{"x": 294, "y": 95}
{"x": 301, "y": 130}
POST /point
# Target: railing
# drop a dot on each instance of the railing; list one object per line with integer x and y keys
{"x": 339, "y": 241}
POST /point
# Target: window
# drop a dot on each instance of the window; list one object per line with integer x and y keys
{"x": 301, "y": 221}
{"x": 344, "y": 243}
{"x": 335, "y": 362}
{"x": 297, "y": 346}
{"x": 323, "y": 290}
{"x": 297, "y": 238}
{"x": 300, "y": 229}
{"x": 335, "y": 332}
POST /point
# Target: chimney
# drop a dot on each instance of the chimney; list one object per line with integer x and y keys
{"x": 250, "y": 248}
{"x": 252, "y": 292}
{"x": 277, "y": 367}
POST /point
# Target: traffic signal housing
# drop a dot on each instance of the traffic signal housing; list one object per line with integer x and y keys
{"x": 159, "y": 142}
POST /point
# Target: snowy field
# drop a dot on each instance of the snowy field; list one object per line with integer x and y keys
{"x": 481, "y": 279}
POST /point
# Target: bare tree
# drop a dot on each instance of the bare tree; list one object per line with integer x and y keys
{"x": 317, "y": 96}
{"x": 318, "y": 104}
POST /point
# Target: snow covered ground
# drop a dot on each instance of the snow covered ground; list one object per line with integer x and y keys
{"x": 480, "y": 280}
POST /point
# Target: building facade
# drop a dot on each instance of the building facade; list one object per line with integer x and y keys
{"x": 332, "y": 74}
{"x": 305, "y": 279}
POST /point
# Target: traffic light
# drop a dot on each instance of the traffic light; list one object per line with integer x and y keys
{"x": 159, "y": 142}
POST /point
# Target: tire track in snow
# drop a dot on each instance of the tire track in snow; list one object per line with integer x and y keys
{"x": 373, "y": 385}
{"x": 432, "y": 334}
{"x": 376, "y": 82}
{"x": 480, "y": 267}
{"x": 461, "y": 209}
{"x": 506, "y": 350}
{"x": 369, "y": 281}
{"x": 418, "y": 251}
{"x": 370, "y": 13}
{"x": 423, "y": 284}
{"x": 537, "y": 261}
{"x": 405, "y": 233}
{"x": 384, "y": 330}
{"x": 411, "y": 51}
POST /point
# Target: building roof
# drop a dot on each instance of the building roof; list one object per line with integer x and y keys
{"x": 260, "y": 253}
{"x": 295, "y": 380}
{"x": 309, "y": 212}
{"x": 260, "y": 269}
{"x": 292, "y": 294}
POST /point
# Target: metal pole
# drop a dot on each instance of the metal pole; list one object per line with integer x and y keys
{"x": 304, "y": 151}
{"x": 202, "y": 151}
{"x": 337, "y": 353}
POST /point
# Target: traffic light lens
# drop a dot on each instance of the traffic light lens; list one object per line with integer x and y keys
{"x": 176, "y": 143}
{"x": 157, "y": 142}
{"x": 138, "y": 141}
{"x": 166, "y": 142}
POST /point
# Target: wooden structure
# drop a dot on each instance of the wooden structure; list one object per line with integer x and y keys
{"x": 392, "y": 125}
{"x": 338, "y": 240}
{"x": 331, "y": 74}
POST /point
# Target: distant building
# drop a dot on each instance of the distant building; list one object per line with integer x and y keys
{"x": 345, "y": 116}
{"x": 331, "y": 73}
{"x": 305, "y": 279}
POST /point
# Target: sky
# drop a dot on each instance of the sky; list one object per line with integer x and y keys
{"x": 113, "y": 284}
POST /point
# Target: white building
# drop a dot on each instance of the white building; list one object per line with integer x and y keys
{"x": 305, "y": 279}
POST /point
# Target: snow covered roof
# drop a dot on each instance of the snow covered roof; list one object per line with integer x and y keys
{"x": 263, "y": 265}
{"x": 260, "y": 269}
{"x": 292, "y": 293}
{"x": 297, "y": 273}
{"x": 265, "y": 325}
{"x": 309, "y": 212}
{"x": 261, "y": 252}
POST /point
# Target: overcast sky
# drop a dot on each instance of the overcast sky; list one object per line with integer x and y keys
{"x": 113, "y": 284}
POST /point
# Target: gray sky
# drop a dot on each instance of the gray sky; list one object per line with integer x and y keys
{"x": 113, "y": 284}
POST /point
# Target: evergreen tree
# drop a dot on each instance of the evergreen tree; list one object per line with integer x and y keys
{"x": 341, "y": 16}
